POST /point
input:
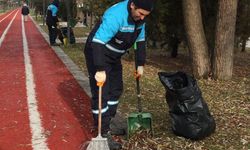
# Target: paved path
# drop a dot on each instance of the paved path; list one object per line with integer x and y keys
{"x": 42, "y": 102}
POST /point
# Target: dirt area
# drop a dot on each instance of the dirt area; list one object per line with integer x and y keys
{"x": 183, "y": 62}
{"x": 228, "y": 101}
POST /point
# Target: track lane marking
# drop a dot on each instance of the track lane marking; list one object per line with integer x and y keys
{"x": 6, "y": 16}
{"x": 7, "y": 29}
{"x": 39, "y": 140}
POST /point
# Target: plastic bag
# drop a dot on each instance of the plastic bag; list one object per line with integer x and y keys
{"x": 190, "y": 116}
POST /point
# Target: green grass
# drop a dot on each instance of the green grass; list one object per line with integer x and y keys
{"x": 75, "y": 52}
{"x": 3, "y": 11}
{"x": 78, "y": 31}
{"x": 229, "y": 107}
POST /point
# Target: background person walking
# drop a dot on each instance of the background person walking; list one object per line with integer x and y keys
{"x": 25, "y": 12}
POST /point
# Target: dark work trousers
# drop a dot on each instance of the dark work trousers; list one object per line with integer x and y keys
{"x": 112, "y": 89}
{"x": 52, "y": 34}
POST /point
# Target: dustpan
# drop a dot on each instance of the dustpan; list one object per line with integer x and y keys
{"x": 139, "y": 120}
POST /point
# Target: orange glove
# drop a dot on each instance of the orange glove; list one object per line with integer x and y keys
{"x": 139, "y": 72}
{"x": 100, "y": 77}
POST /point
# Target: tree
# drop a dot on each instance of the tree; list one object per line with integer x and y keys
{"x": 96, "y": 8}
{"x": 4, "y": 5}
{"x": 156, "y": 26}
{"x": 196, "y": 38}
{"x": 243, "y": 23}
{"x": 224, "y": 39}
{"x": 40, "y": 7}
{"x": 222, "y": 55}
{"x": 165, "y": 21}
{"x": 209, "y": 11}
{"x": 67, "y": 10}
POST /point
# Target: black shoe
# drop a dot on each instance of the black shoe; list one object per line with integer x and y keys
{"x": 113, "y": 145}
{"x": 118, "y": 126}
{"x": 115, "y": 130}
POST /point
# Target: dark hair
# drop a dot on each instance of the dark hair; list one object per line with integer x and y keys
{"x": 144, "y": 4}
{"x": 56, "y": 3}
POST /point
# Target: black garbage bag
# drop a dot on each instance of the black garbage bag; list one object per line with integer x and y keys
{"x": 64, "y": 31}
{"x": 189, "y": 113}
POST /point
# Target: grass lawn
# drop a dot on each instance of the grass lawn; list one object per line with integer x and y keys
{"x": 79, "y": 32}
{"x": 229, "y": 101}
{"x": 2, "y": 11}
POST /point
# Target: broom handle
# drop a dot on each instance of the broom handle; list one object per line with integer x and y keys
{"x": 138, "y": 91}
{"x": 138, "y": 94}
{"x": 100, "y": 110}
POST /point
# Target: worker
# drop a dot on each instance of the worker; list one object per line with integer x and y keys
{"x": 121, "y": 26}
{"x": 52, "y": 21}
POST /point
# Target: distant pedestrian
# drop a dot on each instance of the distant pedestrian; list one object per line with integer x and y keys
{"x": 25, "y": 12}
{"x": 52, "y": 21}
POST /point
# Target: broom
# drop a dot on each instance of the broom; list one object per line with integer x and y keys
{"x": 99, "y": 143}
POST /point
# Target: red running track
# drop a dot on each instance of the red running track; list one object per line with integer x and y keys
{"x": 14, "y": 121}
{"x": 63, "y": 106}
{"x": 5, "y": 19}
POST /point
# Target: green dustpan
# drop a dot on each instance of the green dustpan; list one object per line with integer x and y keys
{"x": 139, "y": 120}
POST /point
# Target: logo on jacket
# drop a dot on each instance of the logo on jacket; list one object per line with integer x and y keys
{"x": 127, "y": 29}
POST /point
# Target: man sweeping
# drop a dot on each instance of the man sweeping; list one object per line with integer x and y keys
{"x": 121, "y": 26}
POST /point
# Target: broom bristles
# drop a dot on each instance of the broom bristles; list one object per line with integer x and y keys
{"x": 98, "y": 143}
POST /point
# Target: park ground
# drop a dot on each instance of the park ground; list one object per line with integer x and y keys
{"x": 228, "y": 101}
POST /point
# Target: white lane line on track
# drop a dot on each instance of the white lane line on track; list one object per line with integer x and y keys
{"x": 6, "y": 16}
{"x": 39, "y": 140}
{"x": 7, "y": 29}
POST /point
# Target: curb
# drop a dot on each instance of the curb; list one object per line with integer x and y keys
{"x": 80, "y": 77}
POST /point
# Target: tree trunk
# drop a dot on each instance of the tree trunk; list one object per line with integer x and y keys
{"x": 44, "y": 12}
{"x": 91, "y": 14}
{"x": 68, "y": 8}
{"x": 224, "y": 39}
{"x": 244, "y": 43}
{"x": 91, "y": 20}
{"x": 196, "y": 38}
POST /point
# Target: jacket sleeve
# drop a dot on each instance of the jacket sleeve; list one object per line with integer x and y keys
{"x": 54, "y": 11}
{"x": 106, "y": 31}
{"x": 141, "y": 53}
{"x": 141, "y": 47}
{"x": 98, "y": 54}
